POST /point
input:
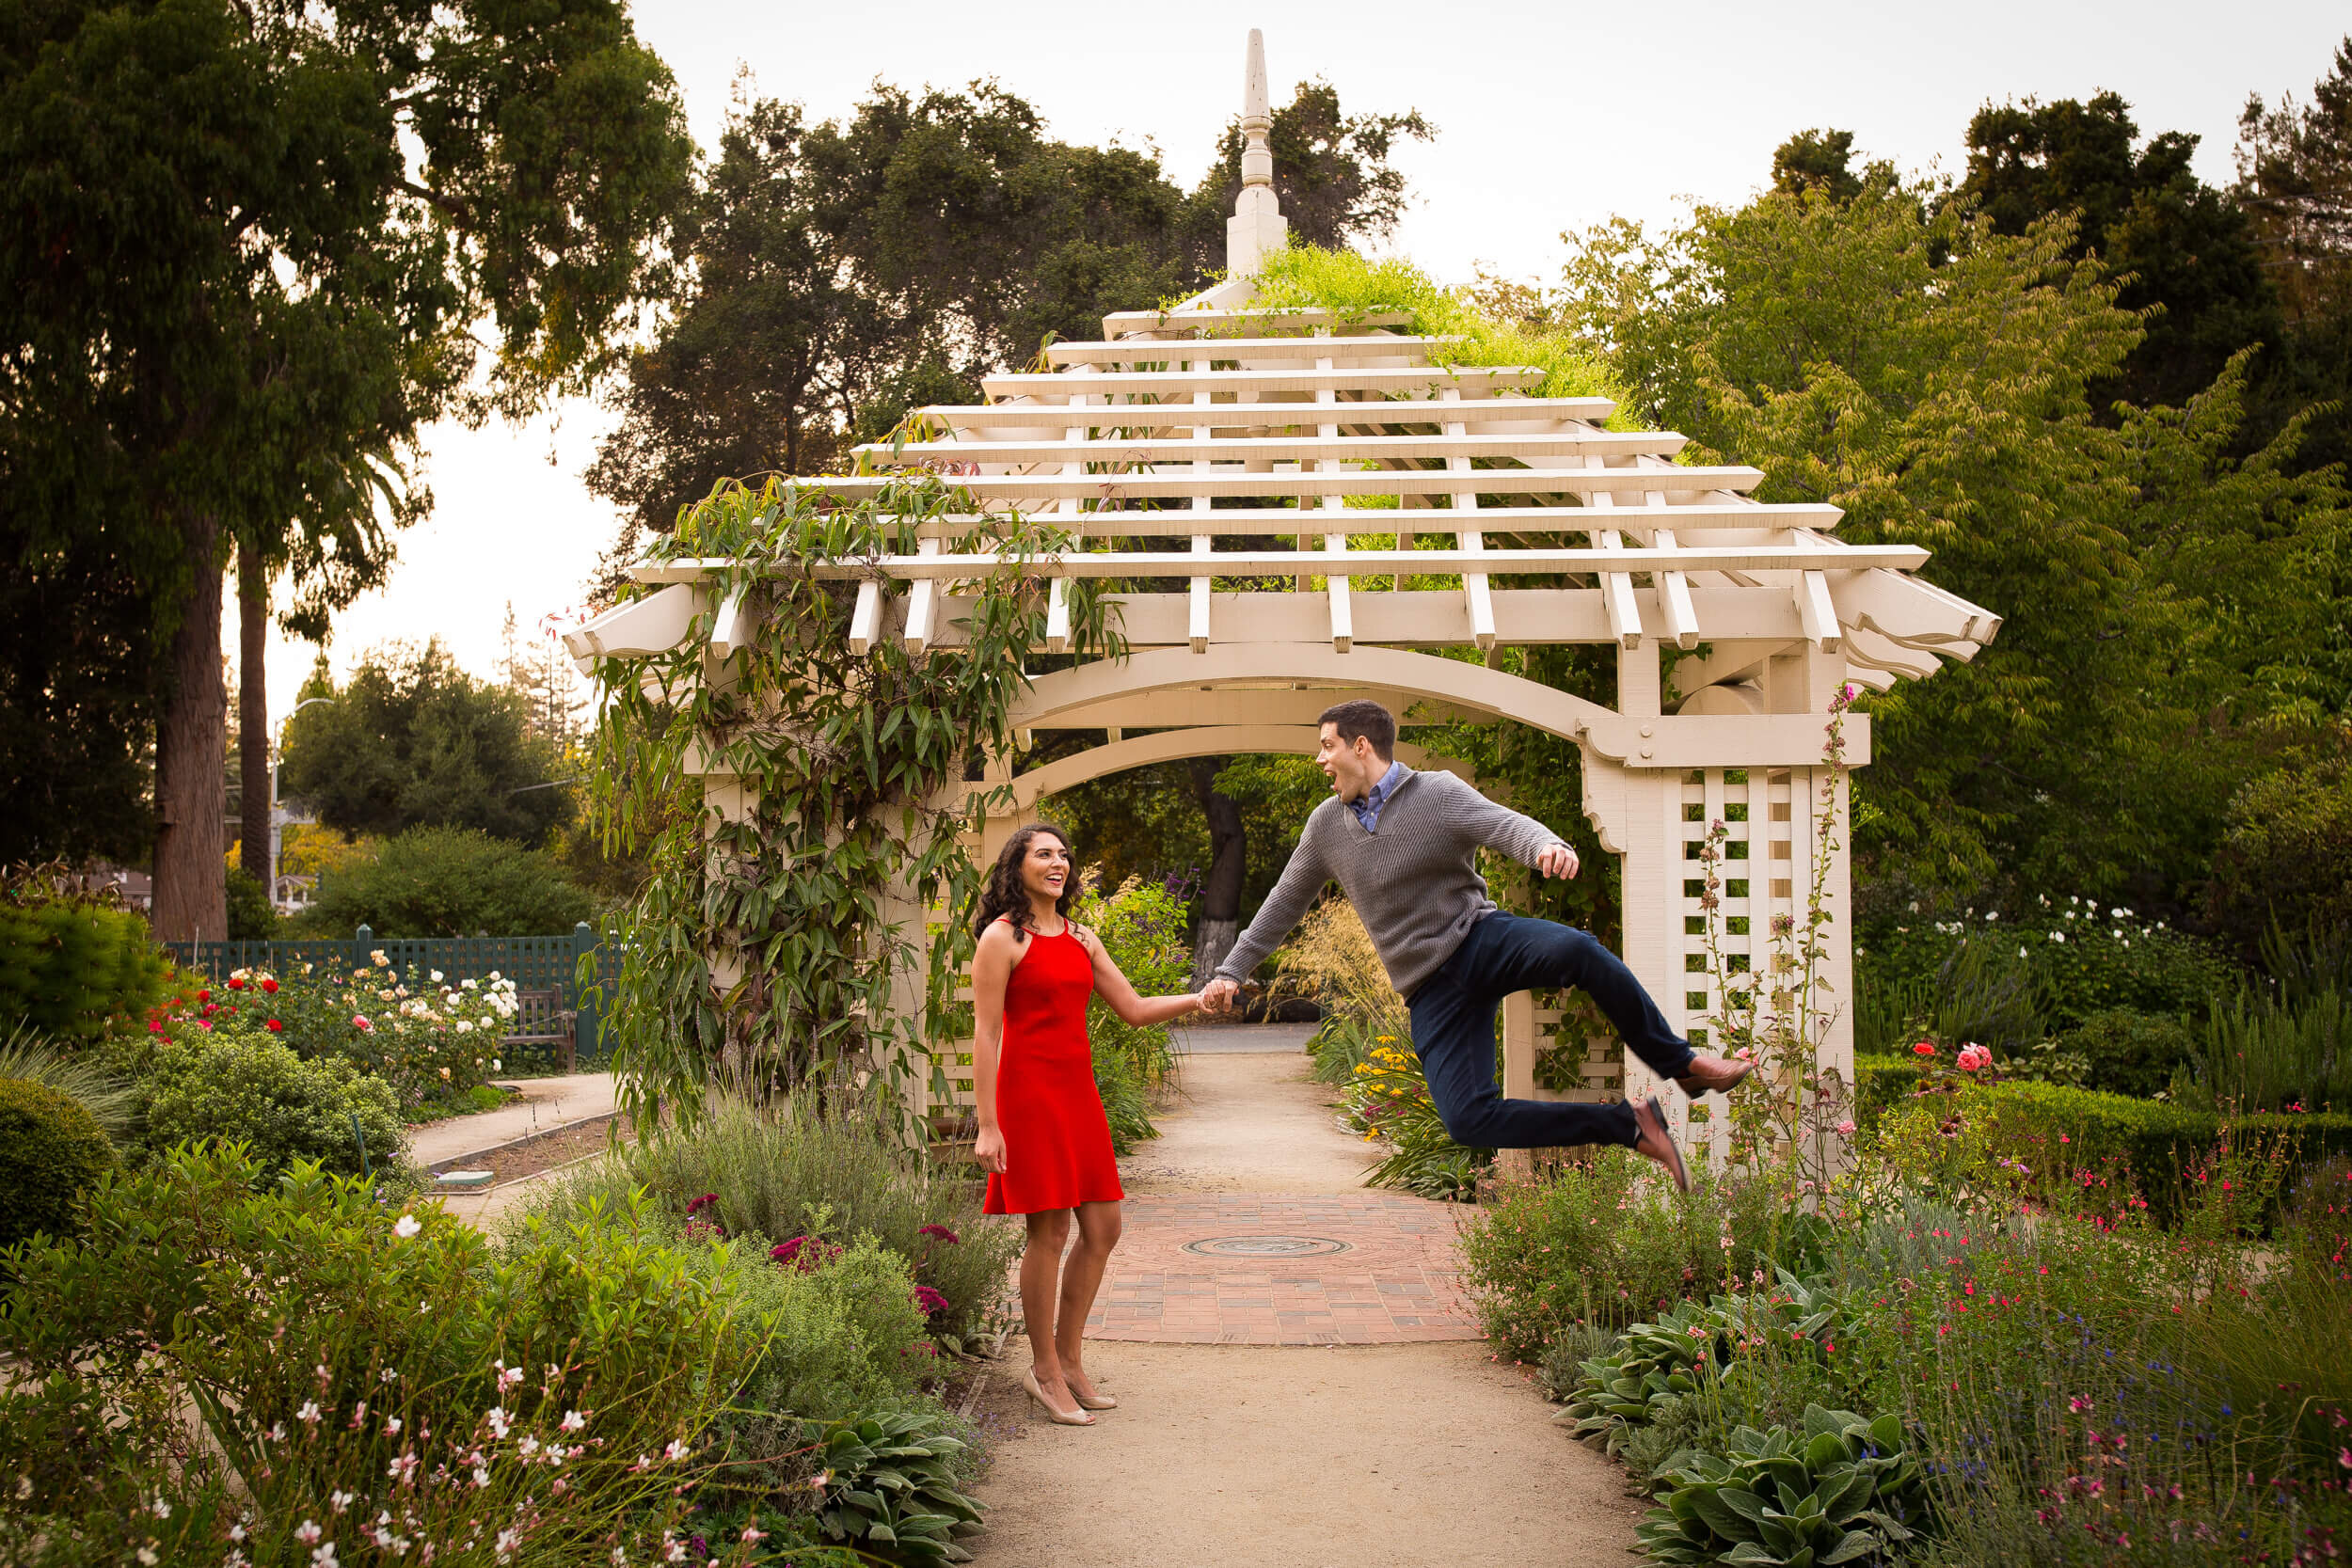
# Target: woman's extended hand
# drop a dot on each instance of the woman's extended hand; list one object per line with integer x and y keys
{"x": 989, "y": 1149}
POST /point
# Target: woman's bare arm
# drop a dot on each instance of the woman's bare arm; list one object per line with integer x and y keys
{"x": 1113, "y": 987}
{"x": 992, "y": 967}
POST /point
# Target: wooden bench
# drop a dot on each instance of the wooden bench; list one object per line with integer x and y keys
{"x": 541, "y": 1019}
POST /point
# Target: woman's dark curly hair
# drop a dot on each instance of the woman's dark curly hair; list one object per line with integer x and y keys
{"x": 1004, "y": 895}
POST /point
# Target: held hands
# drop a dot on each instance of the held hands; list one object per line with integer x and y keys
{"x": 989, "y": 1148}
{"x": 1219, "y": 995}
{"x": 1558, "y": 861}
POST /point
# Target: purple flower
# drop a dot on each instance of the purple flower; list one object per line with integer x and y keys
{"x": 707, "y": 1200}
{"x": 940, "y": 1231}
{"x": 804, "y": 1253}
{"x": 930, "y": 1301}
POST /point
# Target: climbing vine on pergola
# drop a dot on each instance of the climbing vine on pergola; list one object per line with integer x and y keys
{"x": 782, "y": 934}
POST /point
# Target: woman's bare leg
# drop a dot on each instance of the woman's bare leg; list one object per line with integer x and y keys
{"x": 1099, "y": 1226}
{"x": 1040, "y": 1281}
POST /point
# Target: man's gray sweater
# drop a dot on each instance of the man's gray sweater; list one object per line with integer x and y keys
{"x": 1414, "y": 883}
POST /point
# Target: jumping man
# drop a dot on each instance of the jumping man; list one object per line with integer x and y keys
{"x": 1400, "y": 844}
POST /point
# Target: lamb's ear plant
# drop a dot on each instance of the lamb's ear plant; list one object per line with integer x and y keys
{"x": 807, "y": 899}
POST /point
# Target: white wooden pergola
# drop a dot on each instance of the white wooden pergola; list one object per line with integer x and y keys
{"x": 1377, "y": 467}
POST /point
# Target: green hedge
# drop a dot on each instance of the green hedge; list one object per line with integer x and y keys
{"x": 69, "y": 969}
{"x": 1879, "y": 1082}
{"x": 50, "y": 1152}
{"x": 2054, "y": 1128}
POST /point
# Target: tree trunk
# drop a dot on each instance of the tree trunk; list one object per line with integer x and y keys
{"x": 1220, "y": 894}
{"x": 191, "y": 759}
{"x": 253, "y": 832}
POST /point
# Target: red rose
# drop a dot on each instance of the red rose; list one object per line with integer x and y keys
{"x": 270, "y": 986}
{"x": 1923, "y": 1049}
{"x": 203, "y": 996}
{"x": 276, "y": 1027}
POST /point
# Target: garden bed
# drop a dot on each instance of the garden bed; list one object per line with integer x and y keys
{"x": 541, "y": 1151}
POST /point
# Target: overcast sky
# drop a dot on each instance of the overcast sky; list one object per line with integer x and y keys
{"x": 1550, "y": 117}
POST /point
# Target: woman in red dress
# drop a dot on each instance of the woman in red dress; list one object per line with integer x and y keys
{"x": 1044, "y": 1137}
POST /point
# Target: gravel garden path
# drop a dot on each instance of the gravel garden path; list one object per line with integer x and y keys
{"x": 1300, "y": 1385}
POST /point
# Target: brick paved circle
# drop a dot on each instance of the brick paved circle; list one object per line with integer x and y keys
{"x": 1396, "y": 1282}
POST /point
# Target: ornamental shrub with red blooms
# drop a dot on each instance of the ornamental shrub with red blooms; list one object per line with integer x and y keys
{"x": 431, "y": 1041}
{"x": 939, "y": 1232}
{"x": 705, "y": 1201}
{"x": 930, "y": 1301}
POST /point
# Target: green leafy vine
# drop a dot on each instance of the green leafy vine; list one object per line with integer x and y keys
{"x": 783, "y": 936}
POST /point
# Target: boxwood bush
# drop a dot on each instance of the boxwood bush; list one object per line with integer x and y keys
{"x": 50, "y": 1151}
{"x": 253, "y": 1089}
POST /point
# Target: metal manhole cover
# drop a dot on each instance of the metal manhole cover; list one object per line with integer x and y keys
{"x": 1267, "y": 1246}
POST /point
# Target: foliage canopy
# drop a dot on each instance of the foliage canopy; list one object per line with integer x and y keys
{"x": 412, "y": 741}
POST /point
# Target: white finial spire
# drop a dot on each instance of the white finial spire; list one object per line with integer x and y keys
{"x": 1257, "y": 225}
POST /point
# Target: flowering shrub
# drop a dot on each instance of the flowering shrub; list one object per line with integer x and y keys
{"x": 231, "y": 1371}
{"x": 767, "y": 1173}
{"x": 1597, "y": 1244}
{"x": 2083, "y": 958}
{"x": 429, "y": 1037}
{"x": 1387, "y": 1099}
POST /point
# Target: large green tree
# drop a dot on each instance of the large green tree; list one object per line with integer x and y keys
{"x": 250, "y": 249}
{"x": 2181, "y": 251}
{"x": 2294, "y": 183}
{"x": 843, "y": 272}
{"x": 1899, "y": 355}
{"x": 411, "y": 740}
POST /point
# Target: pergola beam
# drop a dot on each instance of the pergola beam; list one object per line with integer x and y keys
{"x": 1331, "y": 447}
{"x": 1147, "y": 484}
{"x": 1378, "y": 378}
{"x": 1478, "y": 411}
{"x": 1170, "y": 523}
{"x": 933, "y": 565}
{"x": 1246, "y": 351}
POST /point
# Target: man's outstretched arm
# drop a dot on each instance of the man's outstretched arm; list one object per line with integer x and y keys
{"x": 1516, "y": 834}
{"x": 1294, "y": 893}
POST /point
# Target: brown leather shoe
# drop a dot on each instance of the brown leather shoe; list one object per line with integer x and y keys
{"x": 1656, "y": 1142}
{"x": 1719, "y": 1074}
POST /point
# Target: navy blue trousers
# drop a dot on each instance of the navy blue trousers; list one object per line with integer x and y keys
{"x": 1454, "y": 1032}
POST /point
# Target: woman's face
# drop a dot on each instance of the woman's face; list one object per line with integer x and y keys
{"x": 1045, "y": 870}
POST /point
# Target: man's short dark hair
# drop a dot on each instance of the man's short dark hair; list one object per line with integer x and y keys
{"x": 1366, "y": 719}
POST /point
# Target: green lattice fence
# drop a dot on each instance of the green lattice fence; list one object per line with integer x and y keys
{"x": 534, "y": 964}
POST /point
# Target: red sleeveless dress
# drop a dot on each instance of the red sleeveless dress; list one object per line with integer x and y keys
{"x": 1057, "y": 1141}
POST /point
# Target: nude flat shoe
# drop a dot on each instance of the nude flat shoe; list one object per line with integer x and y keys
{"x": 1028, "y": 1380}
{"x": 1650, "y": 1117}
